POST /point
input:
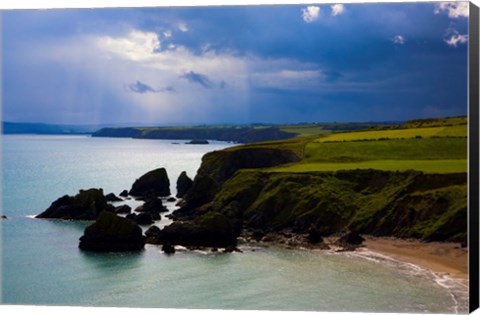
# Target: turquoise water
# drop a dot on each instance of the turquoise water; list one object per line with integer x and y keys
{"x": 42, "y": 265}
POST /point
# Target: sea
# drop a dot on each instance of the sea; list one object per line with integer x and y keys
{"x": 42, "y": 264}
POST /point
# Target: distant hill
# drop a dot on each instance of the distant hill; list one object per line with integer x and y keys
{"x": 240, "y": 134}
{"x": 46, "y": 129}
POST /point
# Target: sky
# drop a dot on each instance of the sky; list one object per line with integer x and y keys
{"x": 236, "y": 64}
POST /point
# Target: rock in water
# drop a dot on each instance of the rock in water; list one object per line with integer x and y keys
{"x": 168, "y": 248}
{"x": 155, "y": 182}
{"x": 124, "y": 193}
{"x": 86, "y": 205}
{"x": 111, "y": 233}
{"x": 152, "y": 205}
{"x": 123, "y": 209}
{"x": 184, "y": 183}
{"x": 198, "y": 141}
{"x": 212, "y": 229}
{"x": 112, "y": 197}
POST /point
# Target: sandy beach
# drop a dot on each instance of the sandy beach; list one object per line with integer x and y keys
{"x": 447, "y": 262}
{"x": 439, "y": 257}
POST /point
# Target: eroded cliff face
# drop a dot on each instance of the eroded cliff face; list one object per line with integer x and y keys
{"x": 219, "y": 166}
{"x": 432, "y": 207}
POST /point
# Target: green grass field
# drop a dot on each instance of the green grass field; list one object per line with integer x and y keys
{"x": 440, "y": 149}
{"x": 426, "y": 166}
{"x": 445, "y": 131}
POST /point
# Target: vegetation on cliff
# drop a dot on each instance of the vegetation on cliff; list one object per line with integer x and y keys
{"x": 398, "y": 181}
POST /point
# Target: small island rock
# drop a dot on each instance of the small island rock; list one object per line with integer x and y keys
{"x": 112, "y": 233}
{"x": 155, "y": 183}
{"x": 184, "y": 183}
{"x": 86, "y": 205}
{"x": 198, "y": 141}
{"x": 112, "y": 197}
{"x": 124, "y": 193}
{"x": 125, "y": 209}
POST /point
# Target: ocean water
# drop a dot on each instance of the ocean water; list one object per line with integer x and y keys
{"x": 42, "y": 265}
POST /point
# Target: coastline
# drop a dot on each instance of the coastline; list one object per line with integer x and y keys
{"x": 439, "y": 257}
{"x": 444, "y": 263}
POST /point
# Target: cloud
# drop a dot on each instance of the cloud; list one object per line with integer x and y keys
{"x": 310, "y": 13}
{"x": 142, "y": 88}
{"x": 199, "y": 78}
{"x": 453, "y": 9}
{"x": 337, "y": 9}
{"x": 136, "y": 45}
{"x": 182, "y": 27}
{"x": 399, "y": 39}
{"x": 456, "y": 39}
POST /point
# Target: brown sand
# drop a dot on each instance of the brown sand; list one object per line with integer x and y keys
{"x": 439, "y": 257}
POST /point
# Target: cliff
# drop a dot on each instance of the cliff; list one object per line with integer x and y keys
{"x": 409, "y": 204}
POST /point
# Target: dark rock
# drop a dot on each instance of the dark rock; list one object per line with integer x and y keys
{"x": 198, "y": 141}
{"x": 112, "y": 233}
{"x": 123, "y": 209}
{"x": 184, "y": 183}
{"x": 4, "y": 217}
{"x": 155, "y": 182}
{"x": 153, "y": 206}
{"x": 112, "y": 197}
{"x": 124, "y": 193}
{"x": 314, "y": 236}
{"x": 131, "y": 216}
{"x": 152, "y": 231}
{"x": 231, "y": 249}
{"x": 86, "y": 205}
{"x": 168, "y": 248}
{"x": 258, "y": 235}
{"x": 171, "y": 199}
{"x": 144, "y": 218}
{"x": 212, "y": 229}
{"x": 351, "y": 238}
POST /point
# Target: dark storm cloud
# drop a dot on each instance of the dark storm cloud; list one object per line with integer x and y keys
{"x": 198, "y": 78}
{"x": 140, "y": 87}
{"x": 362, "y": 72}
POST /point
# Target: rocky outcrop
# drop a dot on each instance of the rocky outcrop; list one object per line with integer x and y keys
{"x": 123, "y": 209}
{"x": 112, "y": 233}
{"x": 351, "y": 238}
{"x": 152, "y": 206}
{"x": 86, "y": 205}
{"x": 219, "y": 166}
{"x": 124, "y": 193}
{"x": 184, "y": 183}
{"x": 112, "y": 197}
{"x": 153, "y": 183}
{"x": 210, "y": 230}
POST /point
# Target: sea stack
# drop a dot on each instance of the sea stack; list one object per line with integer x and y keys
{"x": 112, "y": 233}
{"x": 154, "y": 183}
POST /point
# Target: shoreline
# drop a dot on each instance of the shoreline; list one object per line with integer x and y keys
{"x": 444, "y": 262}
{"x": 439, "y": 257}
